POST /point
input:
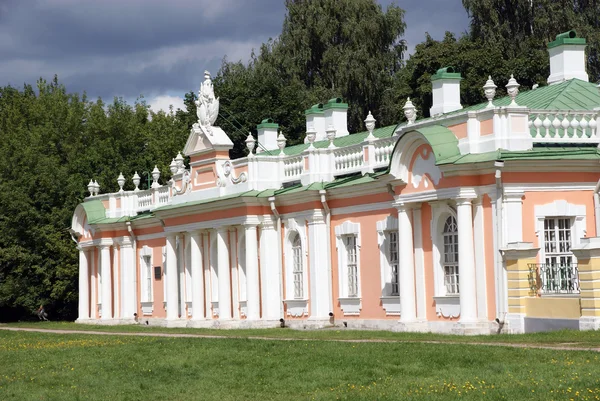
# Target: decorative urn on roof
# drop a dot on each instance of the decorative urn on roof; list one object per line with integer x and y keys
{"x": 410, "y": 112}
{"x": 489, "y": 89}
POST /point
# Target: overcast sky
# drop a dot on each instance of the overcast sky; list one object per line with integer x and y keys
{"x": 158, "y": 48}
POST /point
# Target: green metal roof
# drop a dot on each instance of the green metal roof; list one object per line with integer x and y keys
{"x": 443, "y": 141}
{"x": 566, "y": 38}
{"x": 94, "y": 211}
{"x": 573, "y": 94}
{"x": 446, "y": 73}
{"x": 348, "y": 140}
{"x": 537, "y": 153}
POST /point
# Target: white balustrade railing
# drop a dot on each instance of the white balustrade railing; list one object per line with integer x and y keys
{"x": 164, "y": 195}
{"x": 144, "y": 200}
{"x": 348, "y": 159}
{"x": 293, "y": 167}
{"x": 564, "y": 126}
{"x": 383, "y": 151}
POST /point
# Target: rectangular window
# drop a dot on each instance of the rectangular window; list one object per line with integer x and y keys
{"x": 298, "y": 279}
{"x": 451, "y": 262}
{"x": 147, "y": 279}
{"x": 352, "y": 266}
{"x": 558, "y": 273}
{"x": 393, "y": 259}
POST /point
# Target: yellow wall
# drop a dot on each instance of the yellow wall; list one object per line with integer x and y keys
{"x": 558, "y": 308}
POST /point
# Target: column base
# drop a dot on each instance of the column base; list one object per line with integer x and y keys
{"x": 176, "y": 323}
{"x": 472, "y": 328}
{"x": 414, "y": 326}
{"x": 589, "y": 323}
{"x": 515, "y": 323}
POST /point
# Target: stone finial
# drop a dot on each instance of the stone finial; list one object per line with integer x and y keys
{"x": 250, "y": 144}
{"x": 173, "y": 167}
{"x": 489, "y": 89}
{"x": 310, "y": 137}
{"x": 512, "y": 88}
{"x": 281, "y": 143}
{"x": 91, "y": 188}
{"x": 136, "y": 181}
{"x": 410, "y": 112}
{"x": 370, "y": 125}
{"x": 331, "y": 133}
{"x": 179, "y": 162}
{"x": 207, "y": 105}
{"x": 121, "y": 182}
{"x": 96, "y": 187}
{"x": 155, "y": 177}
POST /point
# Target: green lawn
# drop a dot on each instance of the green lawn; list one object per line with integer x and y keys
{"x": 574, "y": 338}
{"x": 43, "y": 366}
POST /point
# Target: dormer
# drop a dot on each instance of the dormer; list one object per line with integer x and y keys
{"x": 567, "y": 58}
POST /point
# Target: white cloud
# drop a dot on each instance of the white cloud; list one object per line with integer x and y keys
{"x": 163, "y": 103}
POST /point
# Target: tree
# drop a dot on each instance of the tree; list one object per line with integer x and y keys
{"x": 327, "y": 48}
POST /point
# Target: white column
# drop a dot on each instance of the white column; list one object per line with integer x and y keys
{"x": 269, "y": 270}
{"x": 320, "y": 267}
{"x": 197, "y": 277}
{"x": 224, "y": 278}
{"x": 466, "y": 261}
{"x": 84, "y": 285}
{"x": 117, "y": 282}
{"x": 128, "y": 298}
{"x": 181, "y": 276}
{"x": 235, "y": 295}
{"x": 406, "y": 264}
{"x": 171, "y": 277}
{"x": 252, "y": 281}
{"x": 479, "y": 238}
{"x": 94, "y": 282}
{"x": 106, "y": 282}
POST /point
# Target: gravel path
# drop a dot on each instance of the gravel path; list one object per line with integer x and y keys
{"x": 557, "y": 346}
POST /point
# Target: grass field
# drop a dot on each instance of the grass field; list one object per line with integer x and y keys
{"x": 43, "y": 366}
{"x": 575, "y": 338}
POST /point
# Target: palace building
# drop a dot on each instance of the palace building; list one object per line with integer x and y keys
{"x": 479, "y": 219}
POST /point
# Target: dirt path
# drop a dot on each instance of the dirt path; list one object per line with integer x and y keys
{"x": 558, "y": 346}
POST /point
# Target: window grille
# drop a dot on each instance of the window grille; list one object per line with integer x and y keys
{"x": 352, "y": 267}
{"x": 393, "y": 259}
{"x": 451, "y": 278}
{"x": 298, "y": 268}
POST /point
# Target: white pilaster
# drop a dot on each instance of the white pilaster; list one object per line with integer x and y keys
{"x": 269, "y": 270}
{"x": 197, "y": 277}
{"x": 252, "y": 281}
{"x": 224, "y": 278}
{"x": 181, "y": 276}
{"x": 406, "y": 264}
{"x": 106, "y": 282}
{"x": 513, "y": 206}
{"x": 466, "y": 260}
{"x": 320, "y": 267}
{"x": 84, "y": 285}
{"x": 128, "y": 273}
{"x": 419, "y": 264}
{"x": 94, "y": 283}
{"x": 480, "y": 262}
{"x": 235, "y": 300}
{"x": 171, "y": 277}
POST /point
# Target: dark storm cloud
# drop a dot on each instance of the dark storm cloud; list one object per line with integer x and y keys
{"x": 127, "y": 48}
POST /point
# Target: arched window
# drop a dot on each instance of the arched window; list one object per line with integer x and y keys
{"x": 450, "y": 235}
{"x": 298, "y": 267}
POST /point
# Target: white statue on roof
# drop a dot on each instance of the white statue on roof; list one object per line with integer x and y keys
{"x": 207, "y": 105}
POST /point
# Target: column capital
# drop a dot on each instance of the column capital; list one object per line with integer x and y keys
{"x": 513, "y": 195}
{"x": 268, "y": 223}
{"x": 404, "y": 206}
{"x": 223, "y": 229}
{"x": 126, "y": 242}
{"x": 317, "y": 217}
{"x": 478, "y": 201}
{"x": 464, "y": 201}
{"x": 105, "y": 243}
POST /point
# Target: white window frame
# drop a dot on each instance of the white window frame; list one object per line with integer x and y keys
{"x": 450, "y": 258}
{"x": 146, "y": 275}
{"x": 446, "y": 305}
{"x": 560, "y": 209}
{"x": 296, "y": 306}
{"x": 350, "y": 305}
